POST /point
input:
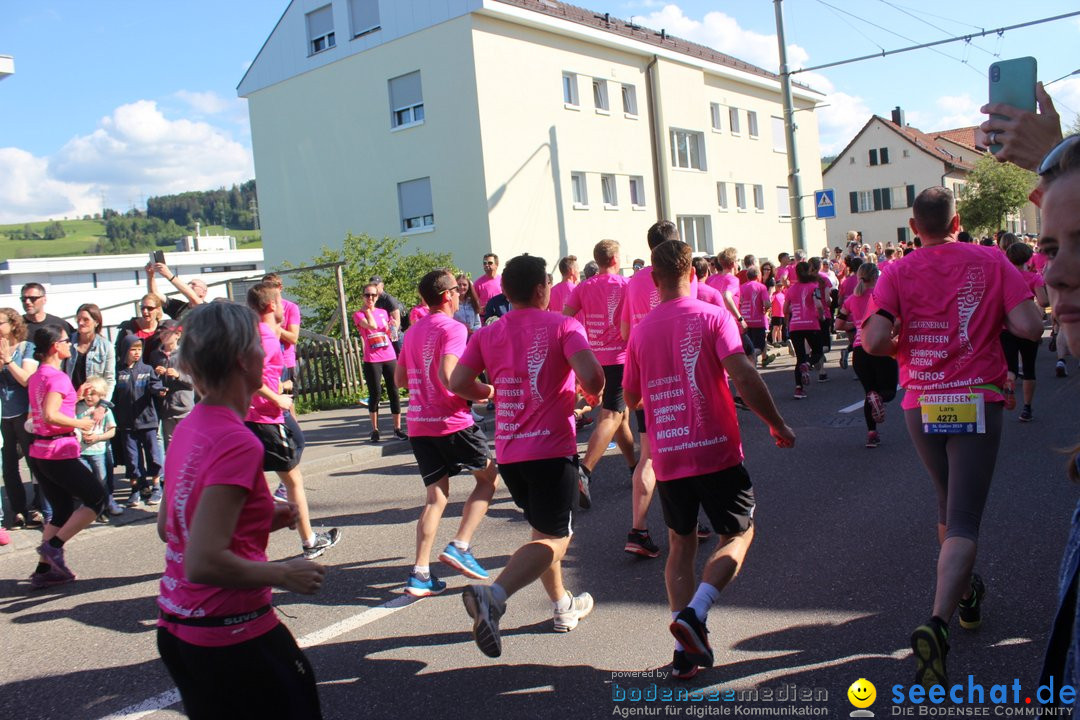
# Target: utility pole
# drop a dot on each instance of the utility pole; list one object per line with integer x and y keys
{"x": 794, "y": 186}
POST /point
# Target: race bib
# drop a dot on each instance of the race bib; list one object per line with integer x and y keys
{"x": 378, "y": 340}
{"x": 953, "y": 413}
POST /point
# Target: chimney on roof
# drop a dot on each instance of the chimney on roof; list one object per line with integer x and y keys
{"x": 898, "y": 116}
{"x": 663, "y": 34}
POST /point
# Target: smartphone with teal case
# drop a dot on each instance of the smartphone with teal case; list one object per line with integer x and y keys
{"x": 1013, "y": 82}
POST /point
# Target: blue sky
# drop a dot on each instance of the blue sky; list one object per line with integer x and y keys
{"x": 117, "y": 100}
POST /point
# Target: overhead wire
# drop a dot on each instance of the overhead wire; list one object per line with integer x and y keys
{"x": 939, "y": 29}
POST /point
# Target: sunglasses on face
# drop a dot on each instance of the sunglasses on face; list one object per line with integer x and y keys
{"x": 371, "y": 295}
{"x": 488, "y": 264}
{"x": 31, "y": 298}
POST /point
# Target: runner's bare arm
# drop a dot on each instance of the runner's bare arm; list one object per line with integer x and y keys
{"x": 463, "y": 383}
{"x": 755, "y": 394}
{"x": 1025, "y": 320}
{"x": 877, "y": 337}
{"x": 401, "y": 375}
{"x": 289, "y": 333}
{"x": 624, "y": 330}
{"x": 588, "y": 371}
{"x": 446, "y": 369}
{"x": 632, "y": 399}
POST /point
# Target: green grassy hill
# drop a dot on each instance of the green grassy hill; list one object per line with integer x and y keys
{"x": 81, "y": 235}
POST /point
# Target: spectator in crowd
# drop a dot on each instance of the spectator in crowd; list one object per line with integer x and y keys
{"x": 194, "y": 291}
{"x": 489, "y": 284}
{"x": 34, "y": 300}
{"x": 18, "y": 364}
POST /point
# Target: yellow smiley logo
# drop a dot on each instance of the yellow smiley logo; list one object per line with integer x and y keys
{"x": 862, "y": 693}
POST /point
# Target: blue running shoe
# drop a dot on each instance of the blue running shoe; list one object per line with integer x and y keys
{"x": 424, "y": 588}
{"x": 463, "y": 561}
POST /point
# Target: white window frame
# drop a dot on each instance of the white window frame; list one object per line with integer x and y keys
{"x": 779, "y": 141}
{"x": 783, "y": 202}
{"x": 629, "y": 100}
{"x": 600, "y": 96}
{"x": 327, "y": 38}
{"x": 353, "y": 14}
{"x": 714, "y": 117}
{"x": 579, "y": 191}
{"x": 721, "y": 196}
{"x": 688, "y": 146}
{"x": 609, "y": 192}
{"x": 637, "y": 192}
{"x": 422, "y": 223}
{"x": 694, "y": 230}
{"x": 740, "y": 197}
{"x": 751, "y": 123}
{"x": 759, "y": 198}
{"x": 733, "y": 121}
{"x": 570, "y": 91}
{"x": 866, "y": 201}
{"x": 410, "y": 114}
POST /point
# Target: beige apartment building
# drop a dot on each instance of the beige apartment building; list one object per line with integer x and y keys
{"x": 514, "y": 126}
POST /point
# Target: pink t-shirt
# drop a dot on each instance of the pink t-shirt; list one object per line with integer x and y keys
{"x": 599, "y": 303}
{"x": 526, "y": 354}
{"x": 709, "y": 294}
{"x": 754, "y": 304}
{"x": 377, "y": 345}
{"x": 804, "y": 314}
{"x": 674, "y": 362}
{"x": 951, "y": 300}
{"x": 560, "y": 294}
{"x": 642, "y": 296}
{"x": 857, "y": 307}
{"x": 290, "y": 316}
{"x": 726, "y": 283}
{"x": 778, "y": 299}
{"x": 487, "y": 288}
{"x": 1033, "y": 280}
{"x": 433, "y": 410}
{"x": 785, "y": 274}
{"x": 420, "y": 311}
{"x": 1038, "y": 262}
{"x": 263, "y": 410}
{"x": 65, "y": 446}
{"x": 212, "y": 447}
{"x": 847, "y": 288}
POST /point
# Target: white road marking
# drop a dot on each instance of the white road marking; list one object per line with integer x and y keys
{"x": 318, "y": 637}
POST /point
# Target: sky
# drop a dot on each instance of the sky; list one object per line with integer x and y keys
{"x": 118, "y": 100}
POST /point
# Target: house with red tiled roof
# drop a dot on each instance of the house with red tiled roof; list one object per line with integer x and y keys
{"x": 878, "y": 174}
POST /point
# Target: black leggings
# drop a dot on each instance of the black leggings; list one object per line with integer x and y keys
{"x": 374, "y": 374}
{"x": 1020, "y": 351}
{"x": 63, "y": 482}
{"x": 877, "y": 374}
{"x": 265, "y": 677}
{"x": 799, "y": 338}
{"x": 16, "y": 445}
{"x": 961, "y": 467}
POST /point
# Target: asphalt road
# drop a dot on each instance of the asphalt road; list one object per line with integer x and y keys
{"x": 840, "y": 572}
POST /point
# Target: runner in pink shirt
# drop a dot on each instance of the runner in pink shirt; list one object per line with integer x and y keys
{"x": 1020, "y": 353}
{"x": 700, "y": 287}
{"x": 847, "y": 288}
{"x": 728, "y": 284}
{"x": 754, "y": 307}
{"x": 940, "y": 312}
{"x": 266, "y": 419}
{"x": 778, "y": 324}
{"x": 214, "y": 602}
{"x": 599, "y": 303}
{"x": 489, "y": 284}
{"x": 568, "y": 268}
{"x": 531, "y": 357}
{"x": 678, "y": 360}
{"x": 802, "y": 312}
{"x": 288, "y": 331}
{"x": 418, "y": 312}
{"x": 785, "y": 271}
{"x": 380, "y": 359}
{"x": 54, "y": 457}
{"x": 444, "y": 438}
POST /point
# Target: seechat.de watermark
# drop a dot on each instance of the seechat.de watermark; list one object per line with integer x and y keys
{"x": 973, "y": 699}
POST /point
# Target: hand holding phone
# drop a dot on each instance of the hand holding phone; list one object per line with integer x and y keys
{"x": 1012, "y": 82}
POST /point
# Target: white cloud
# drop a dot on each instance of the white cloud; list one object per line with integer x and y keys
{"x": 206, "y": 103}
{"x": 1066, "y": 97}
{"x": 840, "y": 121}
{"x": 134, "y": 152}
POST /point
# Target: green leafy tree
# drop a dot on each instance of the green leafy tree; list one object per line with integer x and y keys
{"x": 993, "y": 191}
{"x": 54, "y": 231}
{"x": 364, "y": 256}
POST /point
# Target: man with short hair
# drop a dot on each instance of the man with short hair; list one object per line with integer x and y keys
{"x": 445, "y": 440}
{"x": 194, "y": 291}
{"x": 783, "y": 271}
{"x": 33, "y": 302}
{"x": 677, "y": 364}
{"x": 749, "y": 261}
{"x": 940, "y": 312}
{"x": 600, "y": 301}
{"x": 489, "y": 284}
{"x": 532, "y": 378}
{"x": 568, "y": 268}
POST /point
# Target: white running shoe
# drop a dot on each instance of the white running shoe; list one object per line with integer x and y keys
{"x": 580, "y": 606}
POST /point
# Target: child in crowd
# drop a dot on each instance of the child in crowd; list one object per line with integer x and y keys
{"x": 137, "y": 420}
{"x": 179, "y": 396}
{"x": 95, "y": 442}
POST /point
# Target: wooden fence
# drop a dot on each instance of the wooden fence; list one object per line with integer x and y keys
{"x": 328, "y": 368}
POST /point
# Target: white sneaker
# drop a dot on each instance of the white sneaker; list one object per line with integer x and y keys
{"x": 114, "y": 507}
{"x": 580, "y": 606}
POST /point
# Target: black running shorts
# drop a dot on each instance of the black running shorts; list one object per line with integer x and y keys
{"x": 757, "y": 338}
{"x": 279, "y": 446}
{"x": 545, "y": 490}
{"x": 727, "y": 496}
{"x": 613, "y": 394}
{"x": 448, "y": 455}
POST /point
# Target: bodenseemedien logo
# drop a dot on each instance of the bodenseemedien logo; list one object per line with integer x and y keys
{"x": 862, "y": 694}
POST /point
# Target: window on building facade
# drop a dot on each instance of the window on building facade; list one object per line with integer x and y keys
{"x": 759, "y": 198}
{"x": 406, "y": 100}
{"x": 320, "y": 26}
{"x": 873, "y": 156}
{"x": 721, "y": 195}
{"x": 609, "y": 191}
{"x": 733, "y": 120}
{"x": 714, "y": 116}
{"x": 599, "y": 94}
{"x": 569, "y": 89}
{"x": 694, "y": 231}
{"x": 740, "y": 196}
{"x": 866, "y": 200}
{"x": 687, "y": 149}
{"x": 414, "y": 201}
{"x": 901, "y": 235}
{"x": 363, "y": 16}
{"x": 751, "y": 123}
{"x": 883, "y": 156}
{"x": 783, "y": 201}
{"x": 629, "y": 99}
{"x": 580, "y": 192}
{"x": 637, "y": 191}
{"x": 779, "y": 137}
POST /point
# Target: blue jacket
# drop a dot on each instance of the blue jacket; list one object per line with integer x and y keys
{"x": 100, "y": 360}
{"x": 136, "y": 388}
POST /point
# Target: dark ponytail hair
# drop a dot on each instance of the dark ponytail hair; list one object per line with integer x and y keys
{"x": 44, "y": 338}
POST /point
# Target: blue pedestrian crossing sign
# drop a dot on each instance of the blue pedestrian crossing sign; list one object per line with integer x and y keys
{"x": 825, "y": 204}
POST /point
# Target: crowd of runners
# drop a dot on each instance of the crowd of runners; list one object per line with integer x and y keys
{"x": 677, "y": 342}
